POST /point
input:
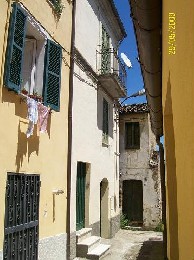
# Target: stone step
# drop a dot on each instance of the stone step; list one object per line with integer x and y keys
{"x": 83, "y": 234}
{"x": 98, "y": 252}
{"x": 87, "y": 245}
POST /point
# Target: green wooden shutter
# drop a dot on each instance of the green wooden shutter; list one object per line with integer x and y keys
{"x": 136, "y": 135}
{"x": 52, "y": 75}
{"x": 15, "y": 46}
{"x": 80, "y": 195}
{"x": 128, "y": 135}
{"x": 105, "y": 117}
{"x": 132, "y": 135}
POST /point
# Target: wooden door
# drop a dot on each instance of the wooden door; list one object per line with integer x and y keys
{"x": 133, "y": 201}
{"x": 80, "y": 195}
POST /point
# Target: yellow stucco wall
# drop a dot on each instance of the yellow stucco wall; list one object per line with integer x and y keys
{"x": 45, "y": 154}
{"x": 178, "y": 108}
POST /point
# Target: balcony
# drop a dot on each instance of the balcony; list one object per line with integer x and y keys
{"x": 111, "y": 73}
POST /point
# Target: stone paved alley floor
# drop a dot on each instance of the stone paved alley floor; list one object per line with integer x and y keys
{"x": 135, "y": 245}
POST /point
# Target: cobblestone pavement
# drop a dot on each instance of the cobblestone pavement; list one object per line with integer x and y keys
{"x": 135, "y": 245}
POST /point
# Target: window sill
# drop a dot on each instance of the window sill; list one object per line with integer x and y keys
{"x": 35, "y": 97}
{"x": 105, "y": 144}
{"x": 132, "y": 148}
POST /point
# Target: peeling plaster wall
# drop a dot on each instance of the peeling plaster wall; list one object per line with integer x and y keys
{"x": 134, "y": 165}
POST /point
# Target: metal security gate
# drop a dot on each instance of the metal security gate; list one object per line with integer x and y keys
{"x": 106, "y": 58}
{"x": 21, "y": 217}
{"x": 80, "y": 195}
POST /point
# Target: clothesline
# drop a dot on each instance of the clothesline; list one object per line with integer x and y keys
{"x": 37, "y": 114}
{"x": 26, "y": 96}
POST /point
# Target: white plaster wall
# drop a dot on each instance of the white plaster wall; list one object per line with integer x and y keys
{"x": 87, "y": 117}
{"x": 134, "y": 165}
{"x": 89, "y": 20}
{"x": 87, "y": 147}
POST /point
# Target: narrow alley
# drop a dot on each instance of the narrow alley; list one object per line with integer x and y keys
{"x": 97, "y": 130}
{"x": 134, "y": 245}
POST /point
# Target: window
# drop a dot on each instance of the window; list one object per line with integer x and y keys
{"x": 33, "y": 62}
{"x": 105, "y": 126}
{"x": 132, "y": 135}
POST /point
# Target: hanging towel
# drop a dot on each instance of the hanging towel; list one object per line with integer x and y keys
{"x": 32, "y": 115}
{"x": 43, "y": 113}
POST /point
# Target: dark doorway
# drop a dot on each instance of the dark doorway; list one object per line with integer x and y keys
{"x": 21, "y": 216}
{"x": 80, "y": 195}
{"x": 133, "y": 201}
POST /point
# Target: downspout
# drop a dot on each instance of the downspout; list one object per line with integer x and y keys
{"x": 163, "y": 194}
{"x": 68, "y": 224}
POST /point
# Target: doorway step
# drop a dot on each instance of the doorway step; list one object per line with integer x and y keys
{"x": 89, "y": 246}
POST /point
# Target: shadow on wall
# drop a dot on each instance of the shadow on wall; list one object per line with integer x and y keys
{"x": 25, "y": 146}
{"x": 171, "y": 176}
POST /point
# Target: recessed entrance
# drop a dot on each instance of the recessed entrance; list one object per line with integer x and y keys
{"x": 104, "y": 221}
{"x": 133, "y": 201}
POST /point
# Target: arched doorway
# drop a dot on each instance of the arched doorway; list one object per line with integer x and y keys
{"x": 104, "y": 220}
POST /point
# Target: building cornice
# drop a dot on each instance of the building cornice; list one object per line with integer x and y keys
{"x": 109, "y": 9}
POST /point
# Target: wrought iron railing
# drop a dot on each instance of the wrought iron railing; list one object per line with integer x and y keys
{"x": 108, "y": 62}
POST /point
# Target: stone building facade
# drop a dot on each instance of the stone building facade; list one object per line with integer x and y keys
{"x": 140, "y": 193}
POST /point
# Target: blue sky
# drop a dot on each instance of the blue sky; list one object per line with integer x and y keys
{"x": 128, "y": 46}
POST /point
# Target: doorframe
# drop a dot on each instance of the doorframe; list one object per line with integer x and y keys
{"x": 86, "y": 194}
{"x": 128, "y": 199}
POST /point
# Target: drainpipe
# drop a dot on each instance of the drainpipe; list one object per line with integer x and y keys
{"x": 68, "y": 224}
{"x": 163, "y": 194}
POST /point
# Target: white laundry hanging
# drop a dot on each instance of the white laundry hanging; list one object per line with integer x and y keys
{"x": 32, "y": 115}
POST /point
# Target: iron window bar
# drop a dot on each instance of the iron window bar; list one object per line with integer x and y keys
{"x": 108, "y": 62}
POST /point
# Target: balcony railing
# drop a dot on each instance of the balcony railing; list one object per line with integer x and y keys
{"x": 108, "y": 63}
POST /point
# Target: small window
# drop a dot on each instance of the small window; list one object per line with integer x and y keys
{"x": 33, "y": 62}
{"x": 132, "y": 135}
{"x": 105, "y": 126}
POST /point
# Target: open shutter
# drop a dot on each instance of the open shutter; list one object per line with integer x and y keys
{"x": 136, "y": 135}
{"x": 128, "y": 135}
{"x": 105, "y": 117}
{"x": 14, "y": 54}
{"x": 52, "y": 75}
